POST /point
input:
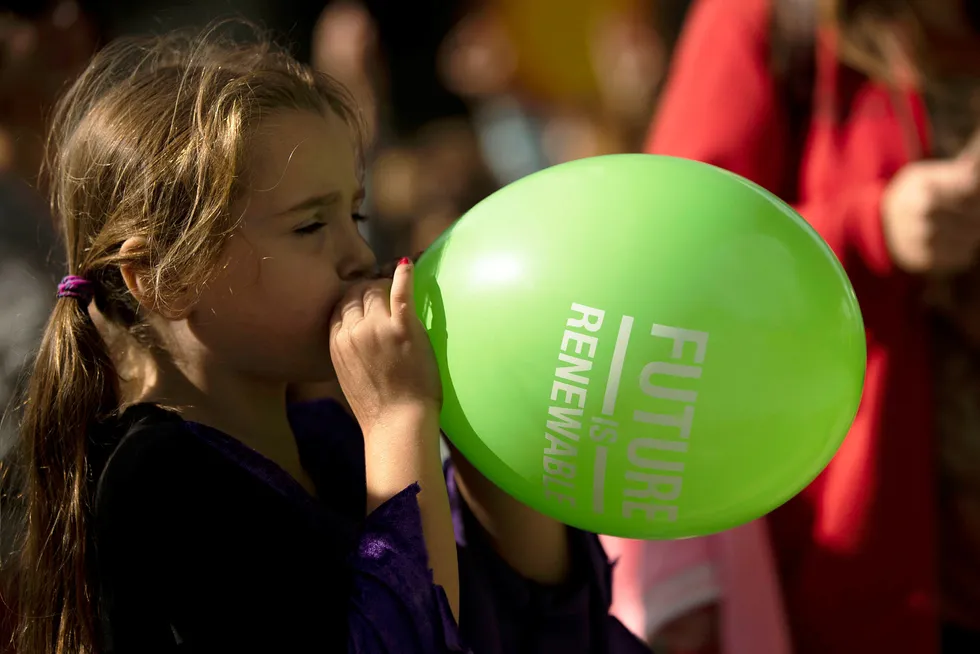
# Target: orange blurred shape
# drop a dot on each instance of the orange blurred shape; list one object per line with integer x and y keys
{"x": 554, "y": 41}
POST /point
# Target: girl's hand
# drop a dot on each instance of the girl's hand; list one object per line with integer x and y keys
{"x": 385, "y": 366}
{"x": 381, "y": 353}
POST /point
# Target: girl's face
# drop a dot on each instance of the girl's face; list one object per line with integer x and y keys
{"x": 297, "y": 251}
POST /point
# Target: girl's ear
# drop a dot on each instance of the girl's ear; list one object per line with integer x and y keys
{"x": 137, "y": 280}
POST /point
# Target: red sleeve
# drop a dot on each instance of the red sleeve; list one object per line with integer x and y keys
{"x": 720, "y": 106}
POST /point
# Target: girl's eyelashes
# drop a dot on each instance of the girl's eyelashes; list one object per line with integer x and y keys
{"x": 318, "y": 224}
{"x": 311, "y": 228}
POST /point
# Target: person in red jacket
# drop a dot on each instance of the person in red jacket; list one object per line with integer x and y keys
{"x": 881, "y": 553}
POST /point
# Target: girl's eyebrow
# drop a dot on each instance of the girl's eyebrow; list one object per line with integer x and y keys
{"x": 314, "y": 202}
{"x": 321, "y": 201}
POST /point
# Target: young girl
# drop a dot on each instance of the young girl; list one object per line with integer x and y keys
{"x": 207, "y": 195}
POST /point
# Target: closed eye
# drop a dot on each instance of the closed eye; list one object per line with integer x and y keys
{"x": 310, "y": 229}
{"x": 359, "y": 217}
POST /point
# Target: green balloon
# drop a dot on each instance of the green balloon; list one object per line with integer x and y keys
{"x": 642, "y": 346}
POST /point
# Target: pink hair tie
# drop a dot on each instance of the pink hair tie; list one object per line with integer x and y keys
{"x": 78, "y": 288}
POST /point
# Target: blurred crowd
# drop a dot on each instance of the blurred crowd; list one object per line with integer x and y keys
{"x": 860, "y": 113}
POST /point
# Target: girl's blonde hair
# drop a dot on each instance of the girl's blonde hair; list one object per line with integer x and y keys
{"x": 150, "y": 142}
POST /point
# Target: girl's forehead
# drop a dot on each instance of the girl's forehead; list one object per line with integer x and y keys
{"x": 294, "y": 156}
{"x": 299, "y": 147}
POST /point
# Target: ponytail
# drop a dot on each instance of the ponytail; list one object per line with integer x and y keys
{"x": 72, "y": 385}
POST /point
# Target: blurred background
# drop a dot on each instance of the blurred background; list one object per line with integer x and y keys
{"x": 460, "y": 97}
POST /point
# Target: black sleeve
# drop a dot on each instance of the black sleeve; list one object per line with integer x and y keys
{"x": 502, "y": 612}
{"x": 193, "y": 555}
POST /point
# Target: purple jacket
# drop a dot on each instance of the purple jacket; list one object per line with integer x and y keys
{"x": 204, "y": 545}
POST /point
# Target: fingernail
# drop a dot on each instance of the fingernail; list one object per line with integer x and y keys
{"x": 404, "y": 261}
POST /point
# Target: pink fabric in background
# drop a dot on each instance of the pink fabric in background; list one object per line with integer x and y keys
{"x": 657, "y": 581}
